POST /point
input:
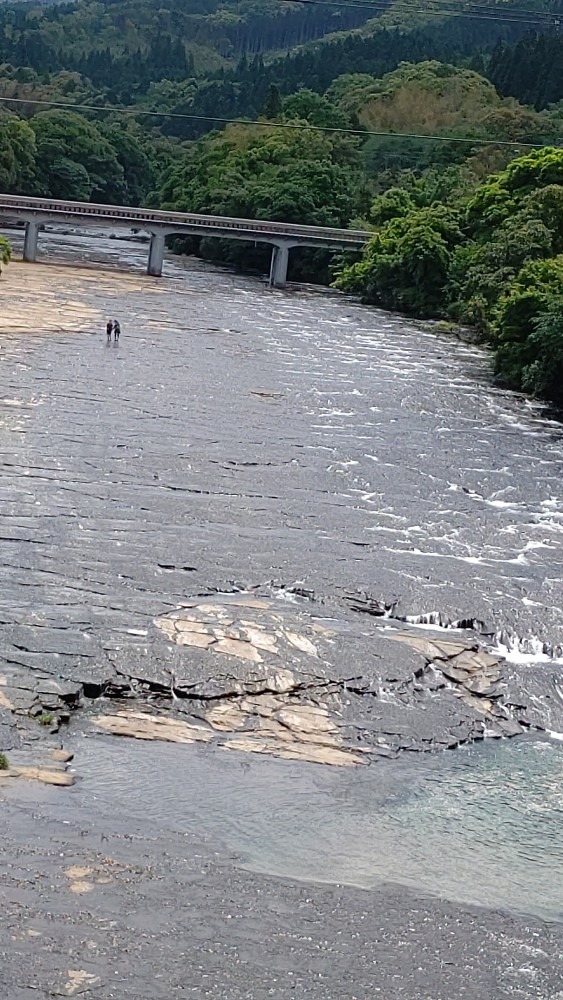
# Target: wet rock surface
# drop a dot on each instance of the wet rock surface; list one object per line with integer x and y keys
{"x": 287, "y": 678}
{"x": 126, "y": 493}
{"x": 344, "y": 476}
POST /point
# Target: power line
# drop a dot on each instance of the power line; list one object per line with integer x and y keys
{"x": 494, "y": 8}
{"x": 365, "y": 133}
{"x": 548, "y": 19}
{"x": 467, "y": 5}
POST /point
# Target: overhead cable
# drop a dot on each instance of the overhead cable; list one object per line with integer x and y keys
{"x": 539, "y": 18}
{"x": 264, "y": 123}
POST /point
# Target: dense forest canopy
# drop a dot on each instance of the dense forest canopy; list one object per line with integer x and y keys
{"x": 532, "y": 70}
{"x": 419, "y": 124}
{"x": 494, "y": 259}
{"x": 95, "y": 38}
{"x": 62, "y": 154}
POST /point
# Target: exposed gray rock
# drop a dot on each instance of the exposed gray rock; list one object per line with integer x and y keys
{"x": 257, "y": 660}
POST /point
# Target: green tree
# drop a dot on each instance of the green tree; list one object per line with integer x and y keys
{"x": 17, "y": 154}
{"x": 5, "y": 252}
{"x": 392, "y": 204}
{"x": 74, "y": 160}
{"x": 525, "y": 299}
{"x": 306, "y": 105}
{"x": 405, "y": 266}
{"x": 501, "y": 195}
{"x": 481, "y": 272}
{"x": 544, "y": 375}
{"x": 138, "y": 169}
{"x": 273, "y": 105}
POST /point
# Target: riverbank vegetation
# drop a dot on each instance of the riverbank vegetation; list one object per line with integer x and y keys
{"x": 465, "y": 215}
{"x": 292, "y": 174}
{"x": 493, "y": 259}
{"x": 62, "y": 154}
{"x": 5, "y": 252}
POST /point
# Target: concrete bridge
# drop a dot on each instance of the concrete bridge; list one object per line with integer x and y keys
{"x": 282, "y": 236}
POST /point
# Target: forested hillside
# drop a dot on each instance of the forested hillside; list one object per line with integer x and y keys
{"x": 122, "y": 47}
{"x": 243, "y": 89}
{"x": 417, "y": 121}
{"x": 532, "y": 70}
{"x": 144, "y": 42}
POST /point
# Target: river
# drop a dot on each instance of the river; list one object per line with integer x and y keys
{"x": 243, "y": 436}
{"x": 379, "y": 456}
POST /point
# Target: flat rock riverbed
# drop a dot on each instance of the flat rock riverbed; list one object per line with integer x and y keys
{"x": 266, "y": 525}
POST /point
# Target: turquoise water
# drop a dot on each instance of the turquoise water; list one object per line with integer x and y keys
{"x": 482, "y": 825}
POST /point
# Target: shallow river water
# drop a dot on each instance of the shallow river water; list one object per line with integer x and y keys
{"x": 481, "y": 825}
{"x": 242, "y": 434}
{"x": 269, "y": 434}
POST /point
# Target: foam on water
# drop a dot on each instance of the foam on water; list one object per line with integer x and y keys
{"x": 528, "y": 649}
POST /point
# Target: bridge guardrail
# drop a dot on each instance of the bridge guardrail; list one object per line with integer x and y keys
{"x": 146, "y": 216}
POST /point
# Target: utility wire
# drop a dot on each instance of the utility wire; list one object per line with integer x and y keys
{"x": 466, "y": 7}
{"x": 493, "y": 8}
{"x": 555, "y": 18}
{"x": 366, "y": 133}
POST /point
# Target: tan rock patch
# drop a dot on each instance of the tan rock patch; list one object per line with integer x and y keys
{"x": 142, "y": 726}
{"x": 64, "y": 756}
{"x": 266, "y": 723}
{"x": 201, "y": 641}
{"x": 227, "y": 717}
{"x": 48, "y": 777}
{"x": 77, "y": 874}
{"x": 294, "y": 751}
{"x": 237, "y": 647}
{"x": 77, "y": 871}
{"x": 218, "y": 628}
{"x": 79, "y": 981}
{"x": 301, "y": 642}
{"x": 81, "y": 888}
{"x": 473, "y": 670}
{"x": 5, "y": 702}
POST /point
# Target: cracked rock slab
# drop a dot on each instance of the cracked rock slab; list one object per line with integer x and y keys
{"x": 39, "y": 763}
{"x": 220, "y": 658}
{"x": 266, "y": 724}
{"x": 142, "y": 726}
{"x": 246, "y": 628}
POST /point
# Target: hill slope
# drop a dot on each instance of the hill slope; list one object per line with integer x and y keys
{"x": 122, "y": 47}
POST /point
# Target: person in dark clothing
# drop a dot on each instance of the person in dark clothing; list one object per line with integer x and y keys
{"x": 109, "y": 328}
{"x": 116, "y": 330}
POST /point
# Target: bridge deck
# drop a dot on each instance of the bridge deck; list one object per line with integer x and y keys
{"x": 48, "y": 209}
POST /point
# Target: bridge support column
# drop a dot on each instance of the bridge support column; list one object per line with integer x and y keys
{"x": 156, "y": 255}
{"x": 30, "y": 241}
{"x": 279, "y": 263}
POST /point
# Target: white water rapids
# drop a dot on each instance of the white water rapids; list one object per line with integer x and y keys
{"x": 243, "y": 434}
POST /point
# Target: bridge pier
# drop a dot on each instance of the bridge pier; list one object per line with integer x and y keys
{"x": 156, "y": 255}
{"x": 279, "y": 264}
{"x": 30, "y": 241}
{"x": 35, "y": 213}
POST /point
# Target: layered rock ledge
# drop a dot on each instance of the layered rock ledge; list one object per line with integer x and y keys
{"x": 280, "y": 673}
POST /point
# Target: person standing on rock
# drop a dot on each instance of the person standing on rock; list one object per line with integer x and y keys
{"x": 109, "y": 328}
{"x": 116, "y": 330}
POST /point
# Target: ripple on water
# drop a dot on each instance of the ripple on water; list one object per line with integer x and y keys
{"x": 481, "y": 826}
{"x": 125, "y": 466}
